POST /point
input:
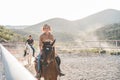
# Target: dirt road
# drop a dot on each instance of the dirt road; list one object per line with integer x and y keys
{"x": 90, "y": 68}
{"x": 97, "y": 67}
{"x": 75, "y": 67}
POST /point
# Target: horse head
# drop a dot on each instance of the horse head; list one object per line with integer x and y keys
{"x": 48, "y": 51}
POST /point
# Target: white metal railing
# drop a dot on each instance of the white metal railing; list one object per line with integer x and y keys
{"x": 13, "y": 69}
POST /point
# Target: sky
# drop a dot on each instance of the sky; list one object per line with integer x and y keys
{"x": 30, "y": 12}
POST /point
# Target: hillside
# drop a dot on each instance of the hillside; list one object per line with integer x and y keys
{"x": 57, "y": 24}
{"x": 65, "y": 30}
{"x": 7, "y": 35}
{"x": 99, "y": 19}
{"x": 62, "y": 29}
{"x": 109, "y": 32}
{"x": 25, "y": 34}
{"x": 16, "y": 27}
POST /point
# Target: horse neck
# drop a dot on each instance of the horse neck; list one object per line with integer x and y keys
{"x": 51, "y": 69}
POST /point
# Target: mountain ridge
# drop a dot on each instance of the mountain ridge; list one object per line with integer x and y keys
{"x": 72, "y": 30}
{"x": 98, "y": 19}
{"x": 101, "y": 18}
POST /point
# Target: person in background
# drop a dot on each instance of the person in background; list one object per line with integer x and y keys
{"x": 30, "y": 41}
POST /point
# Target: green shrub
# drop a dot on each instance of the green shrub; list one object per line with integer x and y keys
{"x": 8, "y": 35}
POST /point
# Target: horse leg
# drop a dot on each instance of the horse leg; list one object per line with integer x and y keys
{"x": 24, "y": 53}
{"x": 36, "y": 67}
{"x": 28, "y": 59}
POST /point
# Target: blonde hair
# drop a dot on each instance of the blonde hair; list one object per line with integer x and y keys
{"x": 46, "y": 26}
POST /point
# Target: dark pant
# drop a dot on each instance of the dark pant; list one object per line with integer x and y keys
{"x": 33, "y": 50}
{"x": 58, "y": 62}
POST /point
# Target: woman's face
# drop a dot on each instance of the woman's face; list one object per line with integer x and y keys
{"x": 46, "y": 30}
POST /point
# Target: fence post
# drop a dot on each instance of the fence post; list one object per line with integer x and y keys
{"x": 99, "y": 46}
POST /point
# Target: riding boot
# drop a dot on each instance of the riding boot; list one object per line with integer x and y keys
{"x": 58, "y": 65}
{"x": 60, "y": 73}
{"x": 25, "y": 53}
{"x": 33, "y": 50}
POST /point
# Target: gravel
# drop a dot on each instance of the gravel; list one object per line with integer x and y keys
{"x": 96, "y": 67}
{"x": 102, "y": 67}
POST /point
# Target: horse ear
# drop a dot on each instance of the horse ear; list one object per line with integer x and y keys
{"x": 53, "y": 42}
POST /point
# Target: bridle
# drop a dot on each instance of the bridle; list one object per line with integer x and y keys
{"x": 48, "y": 52}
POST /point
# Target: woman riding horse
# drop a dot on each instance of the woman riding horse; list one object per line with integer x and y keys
{"x": 46, "y": 36}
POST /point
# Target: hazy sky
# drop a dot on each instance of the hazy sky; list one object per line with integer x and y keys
{"x": 28, "y": 12}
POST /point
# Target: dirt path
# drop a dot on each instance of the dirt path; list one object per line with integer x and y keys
{"x": 77, "y": 67}
{"x": 99, "y": 67}
{"x": 90, "y": 68}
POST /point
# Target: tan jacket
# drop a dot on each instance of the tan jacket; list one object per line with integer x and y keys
{"x": 44, "y": 38}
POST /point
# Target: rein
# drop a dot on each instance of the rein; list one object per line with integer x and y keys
{"x": 48, "y": 62}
